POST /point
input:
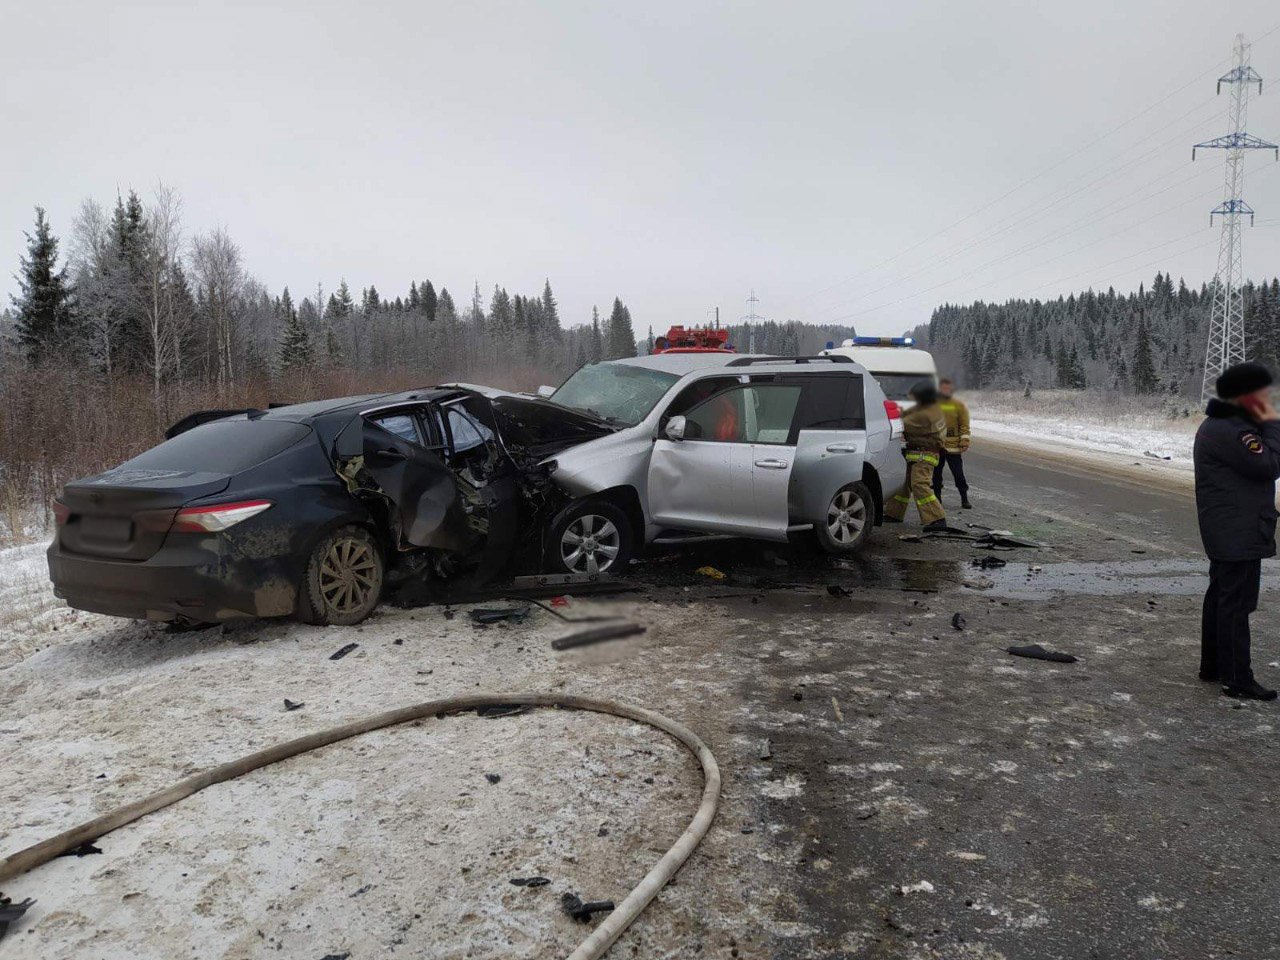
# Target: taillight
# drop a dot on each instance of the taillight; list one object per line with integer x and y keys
{"x": 217, "y": 517}
{"x": 61, "y": 513}
{"x": 893, "y": 410}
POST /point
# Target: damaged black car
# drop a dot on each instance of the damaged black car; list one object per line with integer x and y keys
{"x": 313, "y": 510}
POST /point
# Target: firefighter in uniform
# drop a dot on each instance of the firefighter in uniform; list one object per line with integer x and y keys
{"x": 957, "y": 442}
{"x": 924, "y": 430}
{"x": 1237, "y": 461}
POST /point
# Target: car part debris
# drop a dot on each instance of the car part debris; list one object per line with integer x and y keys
{"x": 585, "y": 638}
{"x": 10, "y": 911}
{"x": 711, "y": 573}
{"x": 958, "y": 621}
{"x": 978, "y": 583}
{"x": 592, "y": 948}
{"x": 529, "y": 881}
{"x": 488, "y": 615}
{"x": 582, "y": 910}
{"x": 990, "y": 540}
{"x": 1036, "y": 652}
{"x": 838, "y": 591}
{"x": 292, "y": 705}
{"x": 766, "y": 750}
{"x": 835, "y": 706}
{"x": 552, "y": 609}
{"x": 343, "y": 651}
{"x": 493, "y": 777}
{"x": 988, "y": 563}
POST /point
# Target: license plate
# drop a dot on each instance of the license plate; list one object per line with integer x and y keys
{"x": 107, "y": 529}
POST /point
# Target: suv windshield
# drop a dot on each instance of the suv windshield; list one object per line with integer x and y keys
{"x": 897, "y": 386}
{"x": 618, "y": 392}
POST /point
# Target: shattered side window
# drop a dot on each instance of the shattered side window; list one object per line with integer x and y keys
{"x": 467, "y": 432}
{"x": 400, "y": 424}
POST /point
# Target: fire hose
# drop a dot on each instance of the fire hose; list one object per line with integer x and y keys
{"x": 592, "y": 948}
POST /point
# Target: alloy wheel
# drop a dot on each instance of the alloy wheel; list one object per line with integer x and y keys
{"x": 348, "y": 575}
{"x": 846, "y": 517}
{"x": 590, "y": 544}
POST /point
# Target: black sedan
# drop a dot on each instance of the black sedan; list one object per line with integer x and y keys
{"x": 312, "y": 509}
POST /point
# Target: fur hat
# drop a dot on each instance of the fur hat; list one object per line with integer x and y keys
{"x": 1241, "y": 379}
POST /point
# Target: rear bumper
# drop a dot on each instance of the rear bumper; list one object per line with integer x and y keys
{"x": 203, "y": 579}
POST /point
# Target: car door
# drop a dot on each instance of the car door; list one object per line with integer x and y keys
{"x": 403, "y": 457}
{"x": 703, "y": 482}
{"x": 771, "y": 404}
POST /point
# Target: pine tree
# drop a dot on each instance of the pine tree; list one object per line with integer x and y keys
{"x": 597, "y": 339}
{"x": 45, "y": 325}
{"x": 1145, "y": 379}
{"x": 550, "y": 313}
{"x": 430, "y": 303}
{"x": 296, "y": 351}
{"x": 621, "y": 340}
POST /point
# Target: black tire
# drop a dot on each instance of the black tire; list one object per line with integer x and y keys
{"x": 344, "y": 579}
{"x": 590, "y": 536}
{"x": 846, "y": 525}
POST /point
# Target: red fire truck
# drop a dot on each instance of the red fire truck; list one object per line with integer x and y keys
{"x": 694, "y": 340}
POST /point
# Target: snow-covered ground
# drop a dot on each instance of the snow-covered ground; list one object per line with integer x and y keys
{"x": 1145, "y": 429}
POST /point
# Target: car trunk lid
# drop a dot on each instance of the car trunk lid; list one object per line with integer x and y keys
{"x": 124, "y": 514}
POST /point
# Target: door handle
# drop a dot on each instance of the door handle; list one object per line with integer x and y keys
{"x": 842, "y": 448}
{"x": 391, "y": 453}
{"x": 772, "y": 464}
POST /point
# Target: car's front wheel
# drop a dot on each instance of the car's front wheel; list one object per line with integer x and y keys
{"x": 344, "y": 577}
{"x": 591, "y": 537}
{"x": 844, "y": 529}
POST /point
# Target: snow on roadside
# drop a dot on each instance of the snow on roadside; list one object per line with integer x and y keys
{"x": 31, "y": 617}
{"x": 1147, "y": 428}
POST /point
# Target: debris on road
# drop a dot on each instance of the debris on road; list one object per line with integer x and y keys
{"x": 922, "y": 886}
{"x": 585, "y": 638}
{"x": 990, "y": 540}
{"x": 293, "y": 705}
{"x": 529, "y": 881}
{"x": 979, "y": 583}
{"x": 343, "y": 651}
{"x": 487, "y": 615}
{"x": 766, "y": 750}
{"x": 988, "y": 563}
{"x": 493, "y": 777}
{"x": 838, "y": 591}
{"x": 581, "y": 910}
{"x": 10, "y": 911}
{"x": 835, "y": 705}
{"x": 958, "y": 621}
{"x": 1034, "y": 651}
{"x": 712, "y": 573}
{"x": 84, "y": 850}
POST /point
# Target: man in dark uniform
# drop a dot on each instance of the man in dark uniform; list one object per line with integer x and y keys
{"x": 1237, "y": 461}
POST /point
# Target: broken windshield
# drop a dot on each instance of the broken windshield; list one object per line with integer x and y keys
{"x": 618, "y": 392}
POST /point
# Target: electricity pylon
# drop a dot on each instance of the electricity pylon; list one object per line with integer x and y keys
{"x": 1226, "y": 316}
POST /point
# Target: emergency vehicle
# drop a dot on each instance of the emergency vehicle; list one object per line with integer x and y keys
{"x": 694, "y": 340}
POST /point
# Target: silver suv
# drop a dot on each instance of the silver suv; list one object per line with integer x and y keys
{"x": 712, "y": 445}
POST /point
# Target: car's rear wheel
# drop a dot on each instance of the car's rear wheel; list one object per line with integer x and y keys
{"x": 590, "y": 537}
{"x": 847, "y": 523}
{"x": 344, "y": 577}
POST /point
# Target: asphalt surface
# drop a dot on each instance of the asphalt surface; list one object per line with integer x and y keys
{"x": 925, "y": 794}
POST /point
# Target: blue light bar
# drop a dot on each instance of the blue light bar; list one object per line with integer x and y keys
{"x": 883, "y": 341}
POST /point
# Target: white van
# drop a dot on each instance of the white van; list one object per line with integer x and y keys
{"x": 895, "y": 362}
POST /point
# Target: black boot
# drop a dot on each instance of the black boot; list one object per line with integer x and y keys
{"x": 1209, "y": 676}
{"x": 1250, "y": 689}
{"x": 935, "y": 526}
{"x": 964, "y": 502}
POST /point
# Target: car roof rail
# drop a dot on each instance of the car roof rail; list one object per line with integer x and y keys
{"x": 750, "y": 361}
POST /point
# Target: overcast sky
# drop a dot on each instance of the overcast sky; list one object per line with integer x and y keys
{"x": 677, "y": 154}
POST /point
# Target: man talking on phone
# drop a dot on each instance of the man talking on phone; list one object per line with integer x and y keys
{"x": 1237, "y": 461}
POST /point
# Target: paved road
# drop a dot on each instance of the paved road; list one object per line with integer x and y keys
{"x": 927, "y": 795}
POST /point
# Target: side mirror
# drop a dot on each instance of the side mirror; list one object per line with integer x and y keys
{"x": 674, "y": 429}
{"x": 544, "y": 391}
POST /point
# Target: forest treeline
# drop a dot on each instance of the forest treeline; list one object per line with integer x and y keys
{"x": 135, "y": 297}
{"x": 1147, "y": 342}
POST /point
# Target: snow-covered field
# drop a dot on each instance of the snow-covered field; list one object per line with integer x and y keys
{"x": 1140, "y": 427}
